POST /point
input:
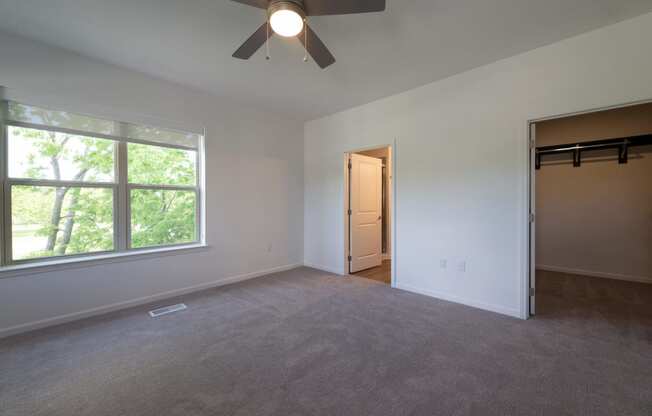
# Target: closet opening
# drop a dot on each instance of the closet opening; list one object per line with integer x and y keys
{"x": 591, "y": 228}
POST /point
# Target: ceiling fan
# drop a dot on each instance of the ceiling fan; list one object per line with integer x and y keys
{"x": 287, "y": 18}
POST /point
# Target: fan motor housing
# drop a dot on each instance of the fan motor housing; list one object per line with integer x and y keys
{"x": 294, "y": 5}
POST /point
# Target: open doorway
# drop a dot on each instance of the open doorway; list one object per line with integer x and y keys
{"x": 368, "y": 209}
{"x": 592, "y": 234}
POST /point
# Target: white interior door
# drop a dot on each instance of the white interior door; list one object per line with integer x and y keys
{"x": 365, "y": 221}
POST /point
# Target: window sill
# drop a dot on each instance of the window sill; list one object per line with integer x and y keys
{"x": 100, "y": 259}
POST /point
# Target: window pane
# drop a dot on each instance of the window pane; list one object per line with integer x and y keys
{"x": 36, "y": 115}
{"x": 154, "y": 165}
{"x": 40, "y": 154}
{"x": 55, "y": 221}
{"x": 160, "y": 217}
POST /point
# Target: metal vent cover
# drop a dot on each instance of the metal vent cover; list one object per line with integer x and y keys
{"x": 167, "y": 309}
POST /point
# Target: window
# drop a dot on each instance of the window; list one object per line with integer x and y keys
{"x": 162, "y": 195}
{"x": 76, "y": 185}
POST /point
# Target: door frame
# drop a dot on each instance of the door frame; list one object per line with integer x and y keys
{"x": 529, "y": 277}
{"x": 392, "y": 204}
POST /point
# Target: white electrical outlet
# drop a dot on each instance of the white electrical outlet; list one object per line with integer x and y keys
{"x": 269, "y": 247}
{"x": 443, "y": 263}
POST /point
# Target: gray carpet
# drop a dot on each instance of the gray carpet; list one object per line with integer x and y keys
{"x": 305, "y": 342}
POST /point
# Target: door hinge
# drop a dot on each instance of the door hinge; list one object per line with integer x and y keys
{"x": 531, "y": 217}
{"x": 350, "y": 212}
{"x": 350, "y": 258}
{"x": 531, "y": 291}
{"x": 350, "y": 165}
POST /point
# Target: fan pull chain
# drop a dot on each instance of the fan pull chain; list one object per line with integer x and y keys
{"x": 305, "y": 40}
{"x": 267, "y": 57}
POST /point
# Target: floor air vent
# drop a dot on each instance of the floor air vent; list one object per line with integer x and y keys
{"x": 167, "y": 309}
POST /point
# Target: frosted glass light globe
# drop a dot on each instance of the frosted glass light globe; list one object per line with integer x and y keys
{"x": 286, "y": 23}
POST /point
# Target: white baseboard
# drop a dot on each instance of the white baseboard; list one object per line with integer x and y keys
{"x": 617, "y": 276}
{"x": 468, "y": 302}
{"x": 323, "y": 268}
{"x": 30, "y": 326}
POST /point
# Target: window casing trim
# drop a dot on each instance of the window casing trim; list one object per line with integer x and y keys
{"x": 121, "y": 197}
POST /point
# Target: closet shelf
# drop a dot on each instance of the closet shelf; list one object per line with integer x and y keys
{"x": 622, "y": 144}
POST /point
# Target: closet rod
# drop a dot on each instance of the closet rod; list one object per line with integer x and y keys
{"x": 622, "y": 144}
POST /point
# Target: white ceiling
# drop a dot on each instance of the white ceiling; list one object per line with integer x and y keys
{"x": 413, "y": 43}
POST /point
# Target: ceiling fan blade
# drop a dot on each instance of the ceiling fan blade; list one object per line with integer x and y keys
{"x": 316, "y": 48}
{"x": 261, "y": 4}
{"x": 326, "y": 7}
{"x": 255, "y": 41}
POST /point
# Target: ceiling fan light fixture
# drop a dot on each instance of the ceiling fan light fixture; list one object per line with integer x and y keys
{"x": 286, "y": 18}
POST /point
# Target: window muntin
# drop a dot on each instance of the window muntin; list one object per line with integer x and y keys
{"x": 92, "y": 171}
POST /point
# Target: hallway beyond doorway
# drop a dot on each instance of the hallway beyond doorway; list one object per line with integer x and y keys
{"x": 382, "y": 273}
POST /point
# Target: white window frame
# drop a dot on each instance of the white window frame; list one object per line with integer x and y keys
{"x": 121, "y": 197}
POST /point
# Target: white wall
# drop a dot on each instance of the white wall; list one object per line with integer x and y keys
{"x": 254, "y": 185}
{"x": 461, "y": 168}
